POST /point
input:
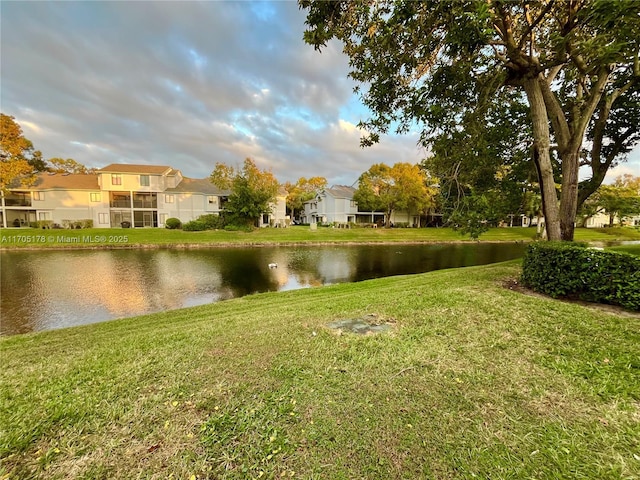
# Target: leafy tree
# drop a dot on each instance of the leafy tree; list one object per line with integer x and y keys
{"x": 533, "y": 208}
{"x": 401, "y": 187}
{"x": 303, "y": 190}
{"x": 436, "y": 62}
{"x": 621, "y": 199}
{"x": 484, "y": 157}
{"x": 252, "y": 191}
{"x": 18, "y": 160}
{"x": 69, "y": 165}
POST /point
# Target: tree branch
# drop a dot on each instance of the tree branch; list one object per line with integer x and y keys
{"x": 556, "y": 115}
{"x": 589, "y": 106}
{"x": 535, "y": 23}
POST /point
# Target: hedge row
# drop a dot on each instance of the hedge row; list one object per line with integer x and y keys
{"x": 572, "y": 270}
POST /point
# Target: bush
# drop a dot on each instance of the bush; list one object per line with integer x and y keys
{"x": 45, "y": 224}
{"x": 194, "y": 226}
{"x": 572, "y": 270}
{"x": 172, "y": 223}
{"x": 212, "y": 221}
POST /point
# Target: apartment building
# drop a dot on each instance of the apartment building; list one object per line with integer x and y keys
{"x": 119, "y": 195}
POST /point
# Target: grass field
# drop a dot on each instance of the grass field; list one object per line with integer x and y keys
{"x": 474, "y": 380}
{"x": 133, "y": 237}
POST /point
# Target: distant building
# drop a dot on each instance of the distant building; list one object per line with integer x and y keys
{"x": 336, "y": 205}
{"x": 117, "y": 195}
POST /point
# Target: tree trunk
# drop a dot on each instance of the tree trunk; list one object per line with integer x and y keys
{"x": 542, "y": 157}
{"x": 569, "y": 195}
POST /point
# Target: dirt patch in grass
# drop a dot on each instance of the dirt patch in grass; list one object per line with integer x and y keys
{"x": 514, "y": 285}
{"x": 367, "y": 325}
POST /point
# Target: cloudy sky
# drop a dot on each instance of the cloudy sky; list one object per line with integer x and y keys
{"x": 188, "y": 84}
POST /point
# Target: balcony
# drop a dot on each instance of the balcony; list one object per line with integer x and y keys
{"x": 147, "y": 203}
{"x": 17, "y": 202}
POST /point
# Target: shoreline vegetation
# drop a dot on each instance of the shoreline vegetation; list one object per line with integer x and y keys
{"x": 92, "y": 238}
{"x": 473, "y": 378}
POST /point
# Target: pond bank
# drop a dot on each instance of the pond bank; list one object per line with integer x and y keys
{"x": 76, "y": 286}
{"x": 14, "y": 239}
{"x": 471, "y": 378}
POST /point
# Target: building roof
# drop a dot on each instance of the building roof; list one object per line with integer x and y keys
{"x": 197, "y": 185}
{"x": 341, "y": 191}
{"x": 140, "y": 169}
{"x": 61, "y": 181}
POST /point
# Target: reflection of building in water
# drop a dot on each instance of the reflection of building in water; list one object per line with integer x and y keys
{"x": 125, "y": 283}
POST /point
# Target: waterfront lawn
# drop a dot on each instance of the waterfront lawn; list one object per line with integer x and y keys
{"x": 632, "y": 249}
{"x": 132, "y": 237}
{"x": 474, "y": 380}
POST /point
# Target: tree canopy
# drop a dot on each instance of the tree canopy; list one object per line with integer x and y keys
{"x": 18, "y": 160}
{"x": 620, "y": 199}
{"x": 252, "y": 191}
{"x": 68, "y": 165}
{"x": 438, "y": 63}
{"x": 401, "y": 187}
{"x": 303, "y": 190}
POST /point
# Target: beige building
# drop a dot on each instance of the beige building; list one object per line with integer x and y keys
{"x": 336, "y": 205}
{"x": 120, "y": 195}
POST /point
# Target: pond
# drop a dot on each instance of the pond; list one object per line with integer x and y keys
{"x": 45, "y": 290}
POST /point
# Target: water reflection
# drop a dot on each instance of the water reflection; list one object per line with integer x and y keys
{"x": 55, "y": 289}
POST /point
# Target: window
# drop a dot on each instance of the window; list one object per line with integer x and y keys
{"x": 95, "y": 197}
{"x": 44, "y": 215}
{"x": 354, "y": 203}
{"x": 103, "y": 218}
{"x": 38, "y": 196}
{"x": 163, "y": 218}
{"x": 211, "y": 199}
{"x": 168, "y": 199}
{"x": 116, "y": 179}
{"x": 144, "y": 180}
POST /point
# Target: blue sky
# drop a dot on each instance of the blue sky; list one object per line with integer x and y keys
{"x": 188, "y": 84}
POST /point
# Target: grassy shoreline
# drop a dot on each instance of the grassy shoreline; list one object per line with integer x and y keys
{"x": 474, "y": 379}
{"x": 34, "y": 239}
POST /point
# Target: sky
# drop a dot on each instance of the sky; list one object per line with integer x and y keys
{"x": 188, "y": 85}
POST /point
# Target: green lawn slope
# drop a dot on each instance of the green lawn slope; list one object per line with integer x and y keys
{"x": 473, "y": 380}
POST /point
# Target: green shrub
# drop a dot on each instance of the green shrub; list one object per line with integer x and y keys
{"x": 212, "y": 221}
{"x": 572, "y": 270}
{"x": 86, "y": 223}
{"x": 45, "y": 224}
{"x": 172, "y": 223}
{"x": 194, "y": 226}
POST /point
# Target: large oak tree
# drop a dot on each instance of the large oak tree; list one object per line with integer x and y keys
{"x": 575, "y": 61}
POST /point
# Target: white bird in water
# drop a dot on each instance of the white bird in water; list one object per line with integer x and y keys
{"x": 273, "y": 265}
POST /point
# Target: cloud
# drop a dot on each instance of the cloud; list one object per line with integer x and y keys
{"x": 185, "y": 84}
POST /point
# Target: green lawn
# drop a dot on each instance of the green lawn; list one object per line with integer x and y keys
{"x": 474, "y": 380}
{"x": 632, "y": 249}
{"x": 95, "y": 237}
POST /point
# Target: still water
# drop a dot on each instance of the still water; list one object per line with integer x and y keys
{"x": 45, "y": 290}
